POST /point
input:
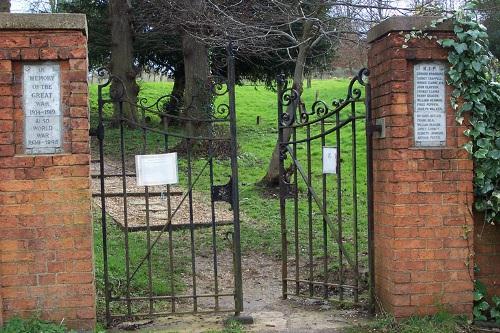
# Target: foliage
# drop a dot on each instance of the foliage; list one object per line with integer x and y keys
{"x": 33, "y": 325}
{"x": 99, "y": 41}
{"x": 442, "y": 322}
{"x": 484, "y": 311}
{"x": 477, "y": 96}
{"x": 489, "y": 10}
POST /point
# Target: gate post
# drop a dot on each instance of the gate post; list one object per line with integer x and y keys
{"x": 46, "y": 247}
{"x": 423, "y": 190}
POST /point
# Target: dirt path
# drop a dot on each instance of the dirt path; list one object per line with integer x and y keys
{"x": 261, "y": 280}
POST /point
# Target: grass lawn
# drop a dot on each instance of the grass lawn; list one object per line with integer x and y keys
{"x": 260, "y": 224}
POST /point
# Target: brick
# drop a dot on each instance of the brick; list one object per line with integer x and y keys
{"x": 30, "y": 54}
{"x": 48, "y": 54}
{"x": 14, "y": 42}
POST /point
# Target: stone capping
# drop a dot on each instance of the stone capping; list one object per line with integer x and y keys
{"x": 16, "y": 21}
{"x": 406, "y": 23}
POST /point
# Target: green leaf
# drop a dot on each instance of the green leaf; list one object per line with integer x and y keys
{"x": 478, "y": 296}
{"x": 460, "y": 48}
{"x": 447, "y": 42}
{"x": 483, "y": 306}
{"x": 481, "y": 153}
{"x": 494, "y": 154}
{"x": 476, "y": 65}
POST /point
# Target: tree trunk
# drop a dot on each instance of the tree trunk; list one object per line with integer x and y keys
{"x": 197, "y": 98}
{"x": 4, "y": 6}
{"x": 271, "y": 178}
{"x": 175, "y": 102}
{"x": 122, "y": 58}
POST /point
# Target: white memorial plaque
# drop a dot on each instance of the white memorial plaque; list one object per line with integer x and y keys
{"x": 42, "y": 108}
{"x": 429, "y": 104}
{"x": 159, "y": 169}
{"x": 329, "y": 160}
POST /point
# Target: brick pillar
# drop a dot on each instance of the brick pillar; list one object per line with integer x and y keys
{"x": 46, "y": 255}
{"x": 487, "y": 254}
{"x": 422, "y": 196}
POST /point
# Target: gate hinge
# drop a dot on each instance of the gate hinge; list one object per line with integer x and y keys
{"x": 97, "y": 132}
{"x": 379, "y": 128}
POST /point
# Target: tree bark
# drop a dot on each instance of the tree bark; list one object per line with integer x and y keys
{"x": 122, "y": 58}
{"x": 176, "y": 97}
{"x": 271, "y": 179}
{"x": 4, "y": 6}
{"x": 197, "y": 98}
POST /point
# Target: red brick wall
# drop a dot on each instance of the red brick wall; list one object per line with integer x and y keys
{"x": 423, "y": 197}
{"x": 487, "y": 255}
{"x": 46, "y": 256}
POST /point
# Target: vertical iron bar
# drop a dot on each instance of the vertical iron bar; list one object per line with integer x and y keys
{"x": 339, "y": 206}
{"x": 191, "y": 224}
{"x": 369, "y": 166}
{"x": 325, "y": 227}
{"x": 355, "y": 203}
{"x": 148, "y": 227}
{"x": 125, "y": 207}
{"x": 169, "y": 221}
{"x": 107, "y": 294}
{"x": 296, "y": 217}
{"x": 309, "y": 210}
{"x": 214, "y": 233}
{"x": 281, "y": 150}
{"x": 238, "y": 282}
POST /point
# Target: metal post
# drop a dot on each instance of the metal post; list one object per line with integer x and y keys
{"x": 369, "y": 166}
{"x": 238, "y": 282}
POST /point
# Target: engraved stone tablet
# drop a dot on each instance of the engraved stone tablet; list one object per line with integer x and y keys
{"x": 429, "y": 104}
{"x": 42, "y": 108}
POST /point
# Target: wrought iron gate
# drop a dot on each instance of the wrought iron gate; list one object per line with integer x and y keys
{"x": 326, "y": 236}
{"x": 142, "y": 224}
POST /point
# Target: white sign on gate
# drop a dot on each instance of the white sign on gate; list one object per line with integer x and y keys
{"x": 329, "y": 160}
{"x": 156, "y": 169}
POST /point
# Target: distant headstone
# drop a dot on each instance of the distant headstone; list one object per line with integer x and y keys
{"x": 42, "y": 108}
{"x": 429, "y": 104}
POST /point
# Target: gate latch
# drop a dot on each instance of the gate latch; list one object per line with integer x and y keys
{"x": 379, "y": 128}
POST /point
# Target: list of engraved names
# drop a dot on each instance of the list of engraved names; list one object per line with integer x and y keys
{"x": 42, "y": 108}
{"x": 429, "y": 104}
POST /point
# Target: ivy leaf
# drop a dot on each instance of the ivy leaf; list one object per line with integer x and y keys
{"x": 481, "y": 153}
{"x": 478, "y": 296}
{"x": 447, "y": 42}
{"x": 483, "y": 306}
{"x": 467, "y": 107}
{"x": 468, "y": 147}
{"x": 477, "y": 66}
{"x": 460, "y": 48}
{"x": 494, "y": 154}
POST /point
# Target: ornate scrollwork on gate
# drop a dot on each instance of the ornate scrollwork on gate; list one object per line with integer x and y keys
{"x": 319, "y": 109}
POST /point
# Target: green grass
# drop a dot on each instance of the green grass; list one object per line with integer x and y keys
{"x": 260, "y": 225}
{"x": 442, "y": 322}
{"x": 33, "y": 325}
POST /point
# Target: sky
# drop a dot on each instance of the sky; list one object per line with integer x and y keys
{"x": 19, "y": 6}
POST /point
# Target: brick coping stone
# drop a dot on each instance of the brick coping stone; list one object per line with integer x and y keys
{"x": 406, "y": 23}
{"x": 62, "y": 21}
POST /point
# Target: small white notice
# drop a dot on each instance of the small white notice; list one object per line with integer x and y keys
{"x": 329, "y": 160}
{"x": 156, "y": 169}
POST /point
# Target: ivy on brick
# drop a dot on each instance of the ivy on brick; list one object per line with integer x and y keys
{"x": 476, "y": 96}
